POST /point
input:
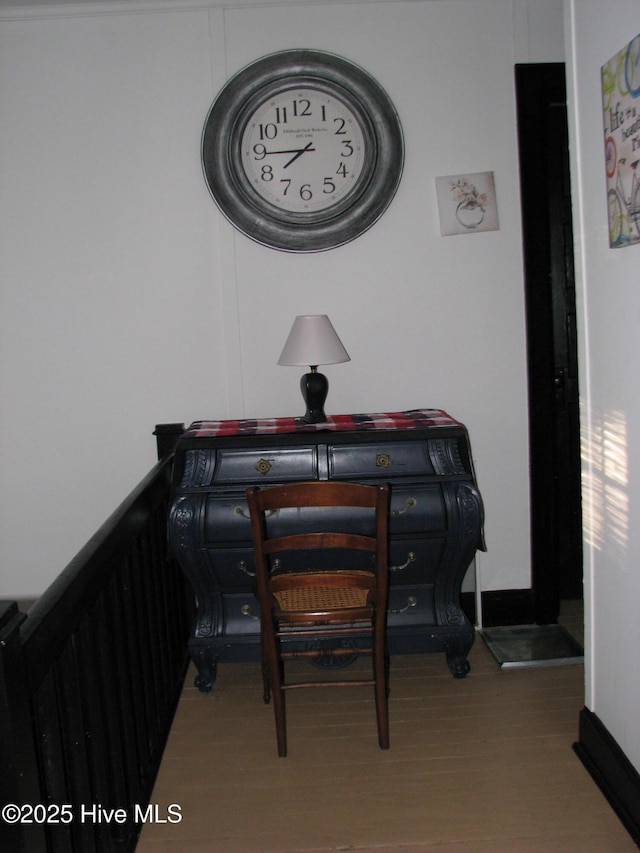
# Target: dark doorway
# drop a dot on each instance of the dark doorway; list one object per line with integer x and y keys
{"x": 556, "y": 517}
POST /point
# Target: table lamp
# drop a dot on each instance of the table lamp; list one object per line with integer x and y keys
{"x": 313, "y": 341}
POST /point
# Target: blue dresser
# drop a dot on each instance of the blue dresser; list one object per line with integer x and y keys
{"x": 435, "y": 527}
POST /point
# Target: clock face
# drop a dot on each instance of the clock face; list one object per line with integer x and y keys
{"x": 302, "y": 151}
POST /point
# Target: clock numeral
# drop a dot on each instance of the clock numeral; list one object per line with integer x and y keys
{"x": 267, "y": 173}
{"x": 268, "y": 131}
{"x": 328, "y": 187}
{"x": 259, "y": 151}
{"x": 287, "y": 184}
{"x": 281, "y": 115}
{"x": 302, "y": 107}
{"x": 342, "y": 170}
{"x": 305, "y": 192}
{"x": 340, "y": 131}
{"x": 347, "y": 148}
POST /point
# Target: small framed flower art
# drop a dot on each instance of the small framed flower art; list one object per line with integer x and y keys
{"x": 467, "y": 203}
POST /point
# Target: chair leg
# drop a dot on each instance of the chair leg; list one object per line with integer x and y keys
{"x": 381, "y": 677}
{"x": 281, "y": 722}
{"x": 266, "y": 687}
{"x": 273, "y": 670}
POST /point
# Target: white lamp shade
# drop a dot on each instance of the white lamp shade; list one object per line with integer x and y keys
{"x": 313, "y": 341}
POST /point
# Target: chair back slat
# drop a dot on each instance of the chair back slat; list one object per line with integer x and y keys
{"x": 301, "y": 541}
{"x": 316, "y": 493}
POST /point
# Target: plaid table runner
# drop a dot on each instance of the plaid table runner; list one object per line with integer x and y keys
{"x": 413, "y": 419}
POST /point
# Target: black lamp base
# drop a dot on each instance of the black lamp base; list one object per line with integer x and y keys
{"x": 314, "y": 387}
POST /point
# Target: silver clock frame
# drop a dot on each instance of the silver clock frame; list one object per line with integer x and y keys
{"x": 302, "y": 231}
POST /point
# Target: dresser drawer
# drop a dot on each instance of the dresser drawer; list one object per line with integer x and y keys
{"x": 233, "y": 568}
{"x": 241, "y": 614}
{"x": 411, "y": 605}
{"x": 386, "y": 460}
{"x": 417, "y": 509}
{"x": 410, "y": 562}
{"x": 266, "y": 465}
{"x": 414, "y": 561}
{"x": 227, "y": 519}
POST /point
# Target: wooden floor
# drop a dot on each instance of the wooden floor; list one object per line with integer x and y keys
{"x": 479, "y": 765}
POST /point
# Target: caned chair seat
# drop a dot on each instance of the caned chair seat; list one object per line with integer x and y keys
{"x": 335, "y": 604}
{"x": 322, "y": 598}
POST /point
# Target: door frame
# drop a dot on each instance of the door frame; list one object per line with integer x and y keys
{"x": 537, "y": 87}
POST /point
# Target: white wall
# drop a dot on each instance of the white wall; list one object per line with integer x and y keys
{"x": 608, "y": 283}
{"x": 127, "y": 300}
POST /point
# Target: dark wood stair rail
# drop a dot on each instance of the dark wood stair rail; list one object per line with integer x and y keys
{"x": 89, "y": 682}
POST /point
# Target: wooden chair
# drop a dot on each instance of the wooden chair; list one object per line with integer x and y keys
{"x": 336, "y": 603}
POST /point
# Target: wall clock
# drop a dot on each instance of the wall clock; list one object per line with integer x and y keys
{"x": 302, "y": 150}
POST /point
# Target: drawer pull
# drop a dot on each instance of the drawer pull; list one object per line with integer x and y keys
{"x": 246, "y": 611}
{"x": 240, "y": 510}
{"x": 411, "y": 602}
{"x": 243, "y": 568}
{"x": 263, "y": 466}
{"x": 411, "y": 502}
{"x": 411, "y": 558}
{"x": 383, "y": 460}
{"x": 275, "y": 566}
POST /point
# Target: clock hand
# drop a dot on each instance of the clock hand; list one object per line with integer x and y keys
{"x": 299, "y": 153}
{"x": 290, "y": 150}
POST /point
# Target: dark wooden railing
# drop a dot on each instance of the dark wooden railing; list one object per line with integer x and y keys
{"x": 89, "y": 682}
